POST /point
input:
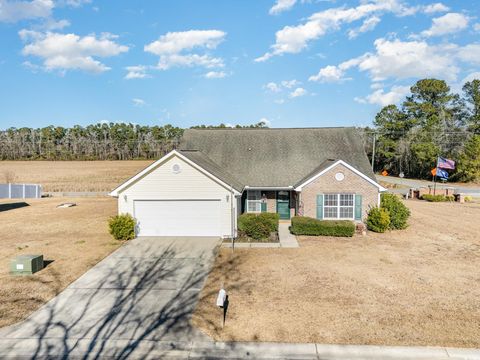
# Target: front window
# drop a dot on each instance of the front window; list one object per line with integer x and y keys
{"x": 254, "y": 201}
{"x": 338, "y": 206}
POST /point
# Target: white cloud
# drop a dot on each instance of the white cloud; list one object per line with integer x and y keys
{"x": 382, "y": 98}
{"x": 136, "y": 72}
{"x": 13, "y": 11}
{"x": 294, "y": 39}
{"x": 285, "y": 84}
{"x": 298, "y": 92}
{"x": 74, "y": 3}
{"x": 273, "y": 87}
{"x": 476, "y": 27}
{"x": 16, "y": 10}
{"x": 469, "y": 53}
{"x": 138, "y": 102}
{"x": 52, "y": 24}
{"x": 282, "y": 5}
{"x": 215, "y": 74}
{"x": 434, "y": 8}
{"x": 397, "y": 60}
{"x": 70, "y": 51}
{"x": 376, "y": 86}
{"x": 330, "y": 74}
{"x": 402, "y": 60}
{"x": 176, "y": 60}
{"x": 176, "y": 42}
{"x": 368, "y": 25}
{"x": 172, "y": 46}
{"x": 290, "y": 83}
{"x": 447, "y": 24}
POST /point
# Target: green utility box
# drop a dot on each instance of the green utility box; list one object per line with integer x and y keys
{"x": 26, "y": 264}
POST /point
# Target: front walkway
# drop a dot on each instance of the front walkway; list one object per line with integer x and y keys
{"x": 287, "y": 240}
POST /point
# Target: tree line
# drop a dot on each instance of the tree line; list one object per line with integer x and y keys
{"x": 432, "y": 121}
{"x": 103, "y": 141}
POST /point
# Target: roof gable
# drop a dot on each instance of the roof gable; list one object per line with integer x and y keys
{"x": 330, "y": 165}
{"x": 225, "y": 182}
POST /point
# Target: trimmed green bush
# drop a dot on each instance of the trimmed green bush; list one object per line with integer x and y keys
{"x": 302, "y": 225}
{"x": 122, "y": 227}
{"x": 258, "y": 226}
{"x": 438, "y": 198}
{"x": 378, "y": 219}
{"x": 397, "y": 210}
{"x": 271, "y": 218}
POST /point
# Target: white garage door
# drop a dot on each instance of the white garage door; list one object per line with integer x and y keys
{"x": 178, "y": 217}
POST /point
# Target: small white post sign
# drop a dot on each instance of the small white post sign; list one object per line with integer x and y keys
{"x": 222, "y": 303}
{"x": 222, "y": 295}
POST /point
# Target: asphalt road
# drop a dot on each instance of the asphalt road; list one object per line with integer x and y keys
{"x": 414, "y": 183}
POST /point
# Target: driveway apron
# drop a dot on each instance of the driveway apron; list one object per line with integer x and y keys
{"x": 145, "y": 291}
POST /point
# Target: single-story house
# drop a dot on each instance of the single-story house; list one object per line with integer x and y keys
{"x": 215, "y": 175}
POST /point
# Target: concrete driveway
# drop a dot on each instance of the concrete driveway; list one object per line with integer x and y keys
{"x": 144, "y": 293}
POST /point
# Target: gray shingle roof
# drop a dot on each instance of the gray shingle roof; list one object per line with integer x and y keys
{"x": 206, "y": 163}
{"x": 274, "y": 157}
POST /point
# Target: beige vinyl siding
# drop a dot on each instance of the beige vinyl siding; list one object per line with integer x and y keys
{"x": 189, "y": 183}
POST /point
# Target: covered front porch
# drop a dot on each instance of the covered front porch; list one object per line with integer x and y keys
{"x": 283, "y": 201}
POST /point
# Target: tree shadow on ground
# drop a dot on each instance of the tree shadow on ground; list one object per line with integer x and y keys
{"x": 141, "y": 305}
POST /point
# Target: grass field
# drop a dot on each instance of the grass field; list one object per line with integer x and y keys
{"x": 71, "y": 175}
{"x": 74, "y": 238}
{"x": 420, "y": 286}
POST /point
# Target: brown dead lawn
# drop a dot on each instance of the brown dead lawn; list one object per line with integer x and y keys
{"x": 74, "y": 238}
{"x": 63, "y": 176}
{"x": 420, "y": 286}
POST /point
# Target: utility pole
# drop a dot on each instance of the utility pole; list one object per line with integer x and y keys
{"x": 373, "y": 151}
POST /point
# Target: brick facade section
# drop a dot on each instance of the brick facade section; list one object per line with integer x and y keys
{"x": 271, "y": 201}
{"x": 352, "y": 183}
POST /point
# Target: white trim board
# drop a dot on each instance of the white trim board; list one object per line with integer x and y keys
{"x": 116, "y": 192}
{"x": 341, "y": 162}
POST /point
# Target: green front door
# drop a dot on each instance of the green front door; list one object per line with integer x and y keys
{"x": 283, "y": 204}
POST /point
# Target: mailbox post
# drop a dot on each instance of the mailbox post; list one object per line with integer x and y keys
{"x": 222, "y": 303}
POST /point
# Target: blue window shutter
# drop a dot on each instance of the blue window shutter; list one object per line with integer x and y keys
{"x": 264, "y": 207}
{"x": 358, "y": 207}
{"x": 320, "y": 207}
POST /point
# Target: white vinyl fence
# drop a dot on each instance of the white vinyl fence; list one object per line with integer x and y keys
{"x": 20, "y": 191}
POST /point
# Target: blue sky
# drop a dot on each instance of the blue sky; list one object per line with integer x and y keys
{"x": 293, "y": 63}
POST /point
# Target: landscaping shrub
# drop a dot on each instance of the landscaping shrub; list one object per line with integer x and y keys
{"x": 122, "y": 227}
{"x": 468, "y": 198}
{"x": 271, "y": 218}
{"x": 302, "y": 225}
{"x": 438, "y": 198}
{"x": 397, "y": 210}
{"x": 258, "y": 226}
{"x": 378, "y": 220}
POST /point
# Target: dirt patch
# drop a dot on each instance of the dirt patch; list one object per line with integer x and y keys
{"x": 72, "y": 175}
{"x": 420, "y": 286}
{"x": 73, "y": 239}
